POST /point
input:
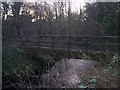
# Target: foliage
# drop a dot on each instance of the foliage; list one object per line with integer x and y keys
{"x": 106, "y": 15}
{"x": 112, "y": 65}
{"x": 82, "y": 86}
{"x": 19, "y": 68}
{"x": 57, "y": 20}
{"x": 13, "y": 57}
{"x": 95, "y": 19}
{"x": 93, "y": 80}
{"x": 104, "y": 77}
{"x": 115, "y": 60}
{"x": 100, "y": 56}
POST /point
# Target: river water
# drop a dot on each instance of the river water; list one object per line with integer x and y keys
{"x": 69, "y": 73}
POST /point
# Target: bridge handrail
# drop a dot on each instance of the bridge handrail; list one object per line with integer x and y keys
{"x": 89, "y": 36}
{"x": 69, "y": 40}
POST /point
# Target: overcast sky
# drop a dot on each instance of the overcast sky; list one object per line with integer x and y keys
{"x": 75, "y": 3}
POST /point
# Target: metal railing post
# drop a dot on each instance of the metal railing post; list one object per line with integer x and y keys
{"x": 87, "y": 46}
{"x": 39, "y": 40}
{"x": 26, "y": 42}
{"x": 69, "y": 46}
{"x": 52, "y": 48}
{"x": 68, "y": 43}
{"x": 106, "y": 47}
{"x": 53, "y": 42}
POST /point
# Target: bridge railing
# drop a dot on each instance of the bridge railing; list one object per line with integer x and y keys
{"x": 80, "y": 43}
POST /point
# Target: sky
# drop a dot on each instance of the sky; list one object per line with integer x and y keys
{"x": 76, "y": 4}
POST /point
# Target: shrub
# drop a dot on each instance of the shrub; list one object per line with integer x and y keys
{"x": 17, "y": 66}
{"x": 113, "y": 65}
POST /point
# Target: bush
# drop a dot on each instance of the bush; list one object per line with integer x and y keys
{"x": 104, "y": 58}
{"x": 13, "y": 57}
{"x": 112, "y": 67}
{"x": 17, "y": 66}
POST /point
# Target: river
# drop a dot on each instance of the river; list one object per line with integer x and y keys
{"x": 69, "y": 73}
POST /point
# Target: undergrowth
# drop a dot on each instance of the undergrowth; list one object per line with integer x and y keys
{"x": 108, "y": 78}
{"x": 23, "y": 71}
{"x": 20, "y": 69}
